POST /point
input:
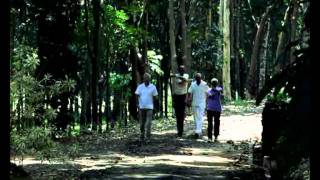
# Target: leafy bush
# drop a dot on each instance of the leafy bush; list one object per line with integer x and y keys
{"x": 34, "y": 141}
{"x": 28, "y": 95}
{"x": 37, "y": 142}
{"x": 302, "y": 171}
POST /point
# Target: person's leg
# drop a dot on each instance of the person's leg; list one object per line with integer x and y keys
{"x": 194, "y": 110}
{"x": 201, "y": 114}
{"x": 142, "y": 115}
{"x": 178, "y": 113}
{"x": 199, "y": 118}
{"x": 183, "y": 111}
{"x": 216, "y": 116}
{"x": 148, "y": 123}
{"x": 210, "y": 126}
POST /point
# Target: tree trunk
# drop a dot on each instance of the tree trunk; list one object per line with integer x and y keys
{"x": 145, "y": 44}
{"x": 281, "y": 55}
{"x": 226, "y": 50}
{"x": 84, "y": 108}
{"x": 95, "y": 56}
{"x": 166, "y": 82}
{"x": 133, "y": 84}
{"x": 101, "y": 89}
{"x": 293, "y": 27}
{"x": 252, "y": 81}
{"x": 172, "y": 43}
{"x": 232, "y": 48}
{"x": 237, "y": 47}
{"x": 242, "y": 63}
{"x": 188, "y": 60}
{"x": 184, "y": 47}
{"x": 209, "y": 20}
{"x": 107, "y": 85}
{"x": 263, "y": 58}
{"x": 76, "y": 108}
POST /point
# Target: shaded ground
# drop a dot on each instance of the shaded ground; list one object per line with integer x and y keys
{"x": 111, "y": 156}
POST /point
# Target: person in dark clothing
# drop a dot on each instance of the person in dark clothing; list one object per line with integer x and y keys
{"x": 214, "y": 109}
{"x": 180, "y": 87}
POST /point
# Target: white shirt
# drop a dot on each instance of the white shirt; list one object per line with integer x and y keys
{"x": 199, "y": 93}
{"x": 180, "y": 86}
{"x": 146, "y": 94}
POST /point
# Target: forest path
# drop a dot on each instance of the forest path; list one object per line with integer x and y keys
{"x": 166, "y": 157}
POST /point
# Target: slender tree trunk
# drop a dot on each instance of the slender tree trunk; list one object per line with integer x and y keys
{"x": 184, "y": 42}
{"x": 84, "y": 108}
{"x": 95, "y": 56}
{"x": 188, "y": 62}
{"x": 87, "y": 111}
{"x": 226, "y": 50}
{"x": 242, "y": 63}
{"x": 263, "y": 58}
{"x": 232, "y": 48}
{"x": 172, "y": 43}
{"x": 220, "y": 41}
{"x": 100, "y": 110}
{"x": 252, "y": 81}
{"x": 293, "y": 27}
{"x": 166, "y": 82}
{"x": 209, "y": 20}
{"x": 107, "y": 95}
{"x": 237, "y": 48}
{"x": 145, "y": 43}
{"x": 133, "y": 84}
{"x": 76, "y": 107}
{"x": 281, "y": 55}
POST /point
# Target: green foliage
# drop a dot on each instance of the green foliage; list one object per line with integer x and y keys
{"x": 155, "y": 62}
{"x": 279, "y": 97}
{"x": 37, "y": 142}
{"x": 31, "y": 92}
{"x": 117, "y": 30}
{"x": 301, "y": 171}
{"x": 118, "y": 81}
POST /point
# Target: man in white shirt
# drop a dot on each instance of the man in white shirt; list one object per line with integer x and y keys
{"x": 180, "y": 90}
{"x": 198, "y": 94}
{"x": 146, "y": 93}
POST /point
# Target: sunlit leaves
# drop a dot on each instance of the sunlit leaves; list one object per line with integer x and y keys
{"x": 118, "y": 81}
{"x": 25, "y": 58}
{"x": 155, "y": 62}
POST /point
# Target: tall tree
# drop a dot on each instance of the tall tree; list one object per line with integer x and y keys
{"x": 252, "y": 80}
{"x": 172, "y": 42}
{"x": 209, "y": 20}
{"x": 263, "y": 57}
{"x": 184, "y": 41}
{"x": 226, "y": 80}
{"x": 284, "y": 37}
{"x": 293, "y": 27}
{"x": 94, "y": 59}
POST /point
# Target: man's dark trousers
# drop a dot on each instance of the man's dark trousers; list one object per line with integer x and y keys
{"x": 179, "y": 107}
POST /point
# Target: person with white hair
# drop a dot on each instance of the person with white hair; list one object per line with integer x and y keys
{"x": 146, "y": 93}
{"x": 214, "y": 109}
{"x": 198, "y": 94}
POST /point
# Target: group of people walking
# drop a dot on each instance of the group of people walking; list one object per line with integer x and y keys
{"x": 198, "y": 95}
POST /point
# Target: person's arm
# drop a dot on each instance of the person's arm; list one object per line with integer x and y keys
{"x": 155, "y": 94}
{"x": 173, "y": 75}
{"x": 137, "y": 92}
{"x": 189, "y": 95}
{"x": 208, "y": 94}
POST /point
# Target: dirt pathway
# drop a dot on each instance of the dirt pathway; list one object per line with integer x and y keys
{"x": 166, "y": 157}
